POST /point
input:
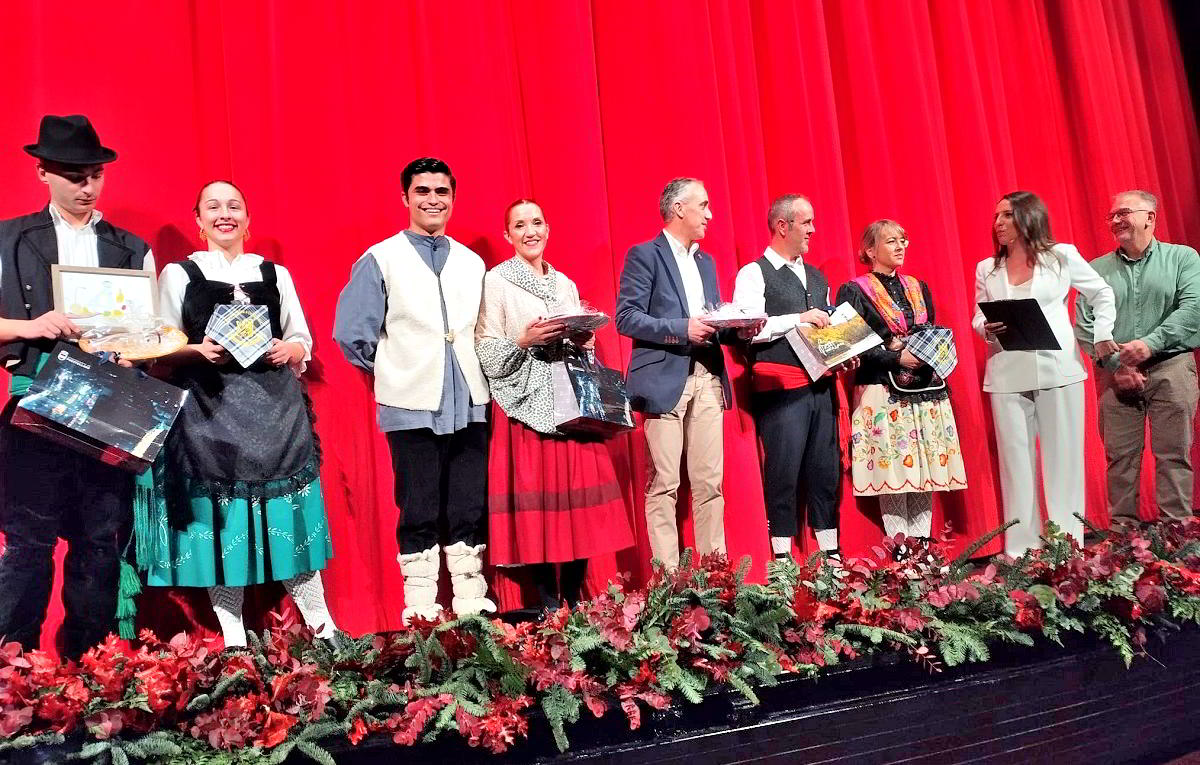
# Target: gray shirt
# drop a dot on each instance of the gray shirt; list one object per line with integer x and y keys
{"x": 361, "y": 312}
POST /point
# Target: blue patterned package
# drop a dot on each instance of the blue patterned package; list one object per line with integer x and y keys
{"x": 589, "y": 398}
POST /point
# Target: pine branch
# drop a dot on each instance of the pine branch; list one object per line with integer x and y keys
{"x": 560, "y": 707}
{"x": 30, "y": 740}
{"x": 315, "y": 753}
{"x": 280, "y": 753}
{"x": 958, "y": 567}
{"x": 741, "y": 686}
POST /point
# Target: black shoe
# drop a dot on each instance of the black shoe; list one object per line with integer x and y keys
{"x": 337, "y": 642}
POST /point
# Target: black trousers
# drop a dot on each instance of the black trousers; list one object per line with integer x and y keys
{"x": 441, "y": 485}
{"x": 49, "y": 491}
{"x": 798, "y": 429}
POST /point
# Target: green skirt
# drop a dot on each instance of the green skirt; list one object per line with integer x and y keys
{"x": 237, "y": 542}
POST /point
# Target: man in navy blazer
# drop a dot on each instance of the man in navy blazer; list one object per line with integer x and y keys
{"x": 677, "y": 375}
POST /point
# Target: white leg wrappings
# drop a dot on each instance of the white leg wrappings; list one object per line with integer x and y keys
{"x": 420, "y": 571}
{"x": 465, "y": 564}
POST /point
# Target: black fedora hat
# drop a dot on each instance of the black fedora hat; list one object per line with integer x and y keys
{"x": 71, "y": 140}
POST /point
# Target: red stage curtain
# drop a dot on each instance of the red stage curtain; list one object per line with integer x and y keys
{"x": 926, "y": 112}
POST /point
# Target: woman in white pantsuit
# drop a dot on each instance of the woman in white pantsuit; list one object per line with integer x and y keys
{"x": 1038, "y": 395}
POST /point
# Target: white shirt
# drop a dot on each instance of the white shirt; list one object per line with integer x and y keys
{"x": 693, "y": 287}
{"x": 173, "y": 282}
{"x": 78, "y": 247}
{"x": 749, "y": 292}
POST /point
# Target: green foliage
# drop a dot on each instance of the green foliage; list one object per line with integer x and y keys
{"x": 561, "y": 707}
{"x": 28, "y": 741}
{"x": 961, "y": 642}
{"x": 688, "y": 684}
{"x": 959, "y": 566}
{"x": 1112, "y": 630}
{"x": 315, "y": 753}
{"x": 697, "y": 628}
{"x": 1186, "y": 609}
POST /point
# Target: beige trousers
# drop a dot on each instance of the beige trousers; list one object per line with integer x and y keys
{"x": 693, "y": 429}
{"x": 1169, "y": 402}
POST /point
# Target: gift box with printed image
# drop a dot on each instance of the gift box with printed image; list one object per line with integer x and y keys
{"x": 118, "y": 415}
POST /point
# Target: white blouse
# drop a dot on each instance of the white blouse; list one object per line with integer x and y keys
{"x": 173, "y": 281}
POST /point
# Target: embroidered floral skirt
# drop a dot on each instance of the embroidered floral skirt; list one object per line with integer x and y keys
{"x": 236, "y": 541}
{"x": 903, "y": 445}
{"x": 551, "y": 499}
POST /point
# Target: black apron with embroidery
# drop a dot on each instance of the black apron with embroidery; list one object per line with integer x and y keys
{"x": 242, "y": 432}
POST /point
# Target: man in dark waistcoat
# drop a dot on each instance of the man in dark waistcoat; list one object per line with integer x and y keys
{"x": 796, "y": 417}
{"x": 48, "y": 491}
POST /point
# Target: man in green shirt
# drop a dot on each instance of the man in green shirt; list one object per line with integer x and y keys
{"x": 1157, "y": 286}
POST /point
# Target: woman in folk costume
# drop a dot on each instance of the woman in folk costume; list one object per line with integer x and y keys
{"x": 552, "y": 499}
{"x": 241, "y": 474}
{"x": 903, "y": 438}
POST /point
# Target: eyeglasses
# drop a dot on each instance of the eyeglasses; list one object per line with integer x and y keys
{"x": 1121, "y": 214}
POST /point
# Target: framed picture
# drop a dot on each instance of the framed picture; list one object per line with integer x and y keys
{"x": 94, "y": 296}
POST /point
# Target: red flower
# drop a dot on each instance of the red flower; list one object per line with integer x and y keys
{"x": 615, "y": 619}
{"x": 808, "y": 609}
{"x": 410, "y": 723}
{"x": 107, "y": 723}
{"x": 302, "y": 692}
{"x": 499, "y": 728}
{"x": 108, "y": 665}
{"x": 160, "y": 689}
{"x": 274, "y": 730}
{"x": 233, "y": 724}
{"x": 1150, "y": 593}
{"x": 358, "y": 731}
{"x": 689, "y": 624}
{"x": 1029, "y": 614}
{"x": 64, "y": 709}
{"x": 1125, "y": 609}
{"x": 13, "y": 720}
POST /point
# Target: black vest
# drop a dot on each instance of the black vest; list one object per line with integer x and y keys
{"x": 28, "y": 247}
{"x": 202, "y": 296}
{"x": 785, "y": 293}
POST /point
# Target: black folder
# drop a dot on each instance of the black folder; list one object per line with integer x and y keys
{"x": 1027, "y": 328}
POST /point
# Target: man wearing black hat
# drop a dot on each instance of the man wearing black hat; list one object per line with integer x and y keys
{"x": 48, "y": 491}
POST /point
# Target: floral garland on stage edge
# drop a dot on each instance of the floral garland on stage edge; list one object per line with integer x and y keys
{"x": 697, "y": 627}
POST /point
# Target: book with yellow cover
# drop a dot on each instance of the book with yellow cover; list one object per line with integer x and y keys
{"x": 822, "y": 348}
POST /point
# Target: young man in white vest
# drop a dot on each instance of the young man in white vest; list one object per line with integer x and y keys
{"x": 407, "y": 317}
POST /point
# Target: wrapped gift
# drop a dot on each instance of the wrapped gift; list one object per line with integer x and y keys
{"x": 116, "y": 414}
{"x": 578, "y": 317}
{"x": 134, "y": 341}
{"x": 243, "y": 330}
{"x": 589, "y": 397}
{"x": 731, "y": 316}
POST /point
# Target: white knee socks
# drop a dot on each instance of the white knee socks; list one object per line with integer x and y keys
{"x": 910, "y": 514}
{"x": 227, "y": 603}
{"x": 308, "y": 592}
